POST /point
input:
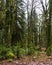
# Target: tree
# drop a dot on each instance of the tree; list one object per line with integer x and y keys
{"x": 9, "y": 21}
{"x": 49, "y": 23}
{"x": 46, "y": 21}
{"x": 19, "y": 25}
{"x": 2, "y": 13}
{"x": 32, "y": 20}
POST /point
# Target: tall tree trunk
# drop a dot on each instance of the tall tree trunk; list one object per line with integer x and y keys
{"x": 49, "y": 22}
{"x": 9, "y": 20}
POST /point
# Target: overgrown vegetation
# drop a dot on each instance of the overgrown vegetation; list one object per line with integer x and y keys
{"x": 23, "y": 31}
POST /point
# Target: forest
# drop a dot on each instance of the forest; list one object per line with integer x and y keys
{"x": 25, "y": 31}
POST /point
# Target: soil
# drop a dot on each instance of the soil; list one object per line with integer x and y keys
{"x": 28, "y": 61}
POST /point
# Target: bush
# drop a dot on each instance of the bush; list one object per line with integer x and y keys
{"x": 26, "y": 51}
{"x": 37, "y": 48}
{"x": 20, "y": 52}
{"x": 16, "y": 48}
{"x": 37, "y": 53}
{"x": 31, "y": 51}
{"x": 49, "y": 50}
{"x": 10, "y": 55}
{"x": 3, "y": 51}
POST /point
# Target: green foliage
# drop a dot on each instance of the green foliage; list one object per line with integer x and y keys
{"x": 37, "y": 53}
{"x": 15, "y": 33}
{"x": 10, "y": 55}
{"x": 18, "y": 50}
{"x": 49, "y": 50}
{"x": 37, "y": 48}
{"x": 3, "y": 51}
{"x": 31, "y": 50}
{"x": 21, "y": 52}
{"x": 26, "y": 51}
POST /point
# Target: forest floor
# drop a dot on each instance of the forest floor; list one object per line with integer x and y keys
{"x": 42, "y": 59}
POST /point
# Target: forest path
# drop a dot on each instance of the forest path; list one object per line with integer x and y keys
{"x": 48, "y": 62}
{"x": 29, "y": 61}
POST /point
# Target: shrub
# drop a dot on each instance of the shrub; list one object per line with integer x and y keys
{"x": 16, "y": 48}
{"x": 3, "y": 51}
{"x": 49, "y": 50}
{"x": 26, "y": 51}
{"x": 37, "y": 48}
{"x": 10, "y": 55}
{"x": 31, "y": 51}
{"x": 20, "y": 52}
